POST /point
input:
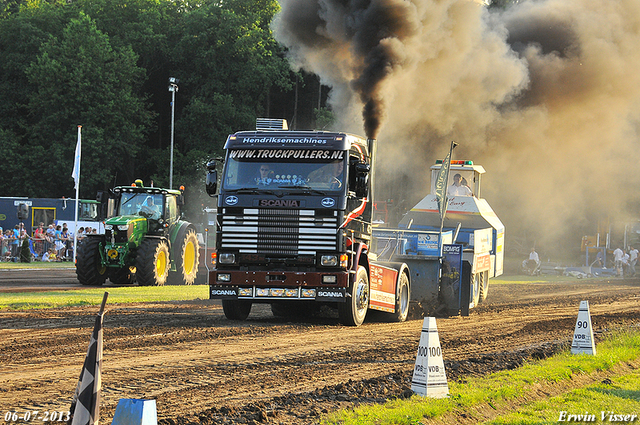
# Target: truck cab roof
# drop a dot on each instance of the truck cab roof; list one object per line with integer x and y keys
{"x": 294, "y": 140}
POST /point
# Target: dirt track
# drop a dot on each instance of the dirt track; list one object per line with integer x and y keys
{"x": 203, "y": 368}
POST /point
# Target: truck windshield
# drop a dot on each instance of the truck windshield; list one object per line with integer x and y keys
{"x": 320, "y": 175}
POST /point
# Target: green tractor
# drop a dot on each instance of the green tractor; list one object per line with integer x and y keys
{"x": 145, "y": 241}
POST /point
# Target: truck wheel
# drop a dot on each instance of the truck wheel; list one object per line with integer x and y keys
{"x": 152, "y": 263}
{"x": 121, "y": 276}
{"x": 89, "y": 267}
{"x": 236, "y": 309}
{"x": 484, "y": 285}
{"x": 187, "y": 255}
{"x": 474, "y": 297}
{"x": 353, "y": 311}
{"x": 402, "y": 299}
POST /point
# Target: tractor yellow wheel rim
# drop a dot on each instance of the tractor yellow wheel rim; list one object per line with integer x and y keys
{"x": 161, "y": 264}
{"x": 189, "y": 257}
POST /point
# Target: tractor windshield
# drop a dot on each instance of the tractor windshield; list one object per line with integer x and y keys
{"x": 324, "y": 175}
{"x": 142, "y": 204}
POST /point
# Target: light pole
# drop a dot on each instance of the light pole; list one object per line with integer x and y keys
{"x": 173, "y": 88}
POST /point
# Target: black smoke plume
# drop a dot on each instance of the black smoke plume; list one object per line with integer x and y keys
{"x": 545, "y": 94}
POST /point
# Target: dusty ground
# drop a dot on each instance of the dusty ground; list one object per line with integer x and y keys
{"x": 202, "y": 368}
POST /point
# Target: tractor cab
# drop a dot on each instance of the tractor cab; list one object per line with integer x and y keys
{"x": 160, "y": 207}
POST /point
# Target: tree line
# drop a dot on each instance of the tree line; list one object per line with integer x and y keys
{"x": 105, "y": 65}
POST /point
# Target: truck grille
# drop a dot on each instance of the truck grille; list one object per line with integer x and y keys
{"x": 279, "y": 232}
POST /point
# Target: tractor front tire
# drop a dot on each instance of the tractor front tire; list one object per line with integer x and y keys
{"x": 187, "y": 258}
{"x": 89, "y": 267}
{"x": 152, "y": 263}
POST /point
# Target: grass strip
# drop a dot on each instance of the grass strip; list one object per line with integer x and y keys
{"x": 611, "y": 401}
{"x": 500, "y": 389}
{"x": 93, "y": 296}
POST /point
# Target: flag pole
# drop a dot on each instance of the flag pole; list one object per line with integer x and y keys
{"x": 85, "y": 404}
{"x": 76, "y": 177}
{"x": 441, "y": 190}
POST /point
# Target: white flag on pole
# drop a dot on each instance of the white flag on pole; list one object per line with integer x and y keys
{"x": 76, "y": 162}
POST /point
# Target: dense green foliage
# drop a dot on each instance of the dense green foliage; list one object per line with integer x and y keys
{"x": 105, "y": 65}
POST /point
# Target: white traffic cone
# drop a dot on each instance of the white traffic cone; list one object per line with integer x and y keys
{"x": 429, "y": 377}
{"x": 583, "y": 342}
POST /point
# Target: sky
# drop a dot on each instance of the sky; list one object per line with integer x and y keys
{"x": 545, "y": 95}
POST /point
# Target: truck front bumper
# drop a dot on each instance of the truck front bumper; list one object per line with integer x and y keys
{"x": 269, "y": 286}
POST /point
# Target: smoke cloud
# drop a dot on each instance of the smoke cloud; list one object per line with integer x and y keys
{"x": 544, "y": 94}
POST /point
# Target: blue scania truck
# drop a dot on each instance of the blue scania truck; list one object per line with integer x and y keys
{"x": 294, "y": 227}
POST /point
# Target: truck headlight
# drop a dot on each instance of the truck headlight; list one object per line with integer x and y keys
{"x": 329, "y": 278}
{"x": 329, "y": 260}
{"x": 108, "y": 227}
{"x": 224, "y": 277}
{"x": 226, "y": 258}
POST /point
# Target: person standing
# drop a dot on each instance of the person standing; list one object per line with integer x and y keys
{"x": 60, "y": 244}
{"x": 633, "y": 259}
{"x": 617, "y": 260}
{"x": 38, "y": 237}
{"x": 15, "y": 242}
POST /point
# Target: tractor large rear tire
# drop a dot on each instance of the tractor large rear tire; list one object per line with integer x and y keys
{"x": 89, "y": 267}
{"x": 186, "y": 254}
{"x": 152, "y": 263}
{"x": 353, "y": 311}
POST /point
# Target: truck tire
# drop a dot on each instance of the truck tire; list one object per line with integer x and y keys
{"x": 152, "y": 263}
{"x": 186, "y": 254}
{"x": 236, "y": 309}
{"x": 353, "y": 311}
{"x": 403, "y": 295}
{"x": 89, "y": 267}
{"x": 484, "y": 285}
{"x": 121, "y": 276}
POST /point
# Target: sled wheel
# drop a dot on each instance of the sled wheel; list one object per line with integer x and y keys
{"x": 474, "y": 298}
{"x": 484, "y": 285}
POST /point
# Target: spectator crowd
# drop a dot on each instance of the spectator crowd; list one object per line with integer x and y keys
{"x": 51, "y": 243}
